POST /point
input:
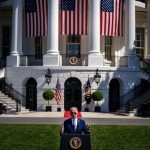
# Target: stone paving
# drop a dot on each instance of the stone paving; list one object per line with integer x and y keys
{"x": 91, "y": 118}
{"x": 61, "y": 115}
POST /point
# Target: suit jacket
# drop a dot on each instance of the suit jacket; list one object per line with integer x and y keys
{"x": 81, "y": 127}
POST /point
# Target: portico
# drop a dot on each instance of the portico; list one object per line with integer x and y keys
{"x": 74, "y": 58}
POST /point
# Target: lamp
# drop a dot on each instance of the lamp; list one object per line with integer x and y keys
{"x": 97, "y": 76}
{"x": 48, "y": 76}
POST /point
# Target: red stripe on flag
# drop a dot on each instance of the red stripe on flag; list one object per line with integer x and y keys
{"x": 75, "y": 22}
{"x": 37, "y": 21}
{"x": 58, "y": 92}
{"x": 111, "y": 23}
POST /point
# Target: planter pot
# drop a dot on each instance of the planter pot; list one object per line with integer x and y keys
{"x": 48, "y": 108}
{"x": 86, "y": 109}
{"x": 58, "y": 109}
{"x": 97, "y": 109}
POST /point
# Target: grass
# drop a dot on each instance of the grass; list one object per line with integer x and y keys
{"x": 46, "y": 137}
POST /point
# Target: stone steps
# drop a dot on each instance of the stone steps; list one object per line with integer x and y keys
{"x": 10, "y": 104}
{"x": 135, "y": 104}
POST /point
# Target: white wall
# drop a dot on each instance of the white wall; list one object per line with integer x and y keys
{"x": 18, "y": 76}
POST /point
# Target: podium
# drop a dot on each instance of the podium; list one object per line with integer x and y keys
{"x": 75, "y": 142}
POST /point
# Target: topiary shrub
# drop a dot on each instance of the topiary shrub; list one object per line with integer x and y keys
{"x": 48, "y": 95}
{"x": 97, "y": 96}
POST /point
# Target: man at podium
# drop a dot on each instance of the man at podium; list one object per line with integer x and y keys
{"x": 74, "y": 125}
{"x": 71, "y": 133}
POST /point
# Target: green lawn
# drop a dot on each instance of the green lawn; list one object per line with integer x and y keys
{"x": 46, "y": 137}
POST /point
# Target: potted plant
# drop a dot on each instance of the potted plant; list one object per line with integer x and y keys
{"x": 48, "y": 95}
{"x": 97, "y": 96}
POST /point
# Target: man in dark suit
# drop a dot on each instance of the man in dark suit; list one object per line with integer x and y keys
{"x": 74, "y": 125}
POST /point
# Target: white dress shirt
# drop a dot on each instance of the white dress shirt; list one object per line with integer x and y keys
{"x": 74, "y": 122}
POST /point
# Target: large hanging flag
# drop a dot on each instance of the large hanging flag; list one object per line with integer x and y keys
{"x": 58, "y": 92}
{"x": 111, "y": 17}
{"x": 36, "y": 17}
{"x": 74, "y": 17}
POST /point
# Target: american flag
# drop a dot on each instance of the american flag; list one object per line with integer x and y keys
{"x": 88, "y": 84}
{"x": 87, "y": 91}
{"x": 36, "y": 16}
{"x": 111, "y": 17}
{"x": 74, "y": 17}
{"x": 58, "y": 92}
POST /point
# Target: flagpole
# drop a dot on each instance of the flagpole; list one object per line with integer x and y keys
{"x": 117, "y": 51}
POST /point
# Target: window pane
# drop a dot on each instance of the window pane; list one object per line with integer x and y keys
{"x": 142, "y": 43}
{"x": 138, "y": 37}
{"x": 139, "y": 42}
{"x": 73, "y": 46}
{"x": 6, "y": 40}
{"x": 108, "y": 45}
{"x": 38, "y": 47}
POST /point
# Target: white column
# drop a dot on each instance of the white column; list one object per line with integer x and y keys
{"x": 16, "y": 45}
{"x": 95, "y": 57}
{"x": 17, "y": 28}
{"x": 52, "y": 54}
{"x": 148, "y": 29}
{"x": 130, "y": 33}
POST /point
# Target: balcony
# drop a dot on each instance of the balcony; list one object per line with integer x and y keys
{"x": 82, "y": 60}
{"x": 31, "y": 60}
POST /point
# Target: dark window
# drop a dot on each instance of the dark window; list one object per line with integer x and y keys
{"x": 139, "y": 42}
{"x": 73, "y": 46}
{"x": 6, "y": 40}
{"x": 38, "y": 48}
{"x": 108, "y": 45}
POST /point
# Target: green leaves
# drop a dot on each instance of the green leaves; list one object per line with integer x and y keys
{"x": 97, "y": 95}
{"x": 48, "y": 95}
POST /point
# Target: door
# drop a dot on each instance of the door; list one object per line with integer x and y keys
{"x": 31, "y": 94}
{"x": 114, "y": 95}
{"x": 72, "y": 94}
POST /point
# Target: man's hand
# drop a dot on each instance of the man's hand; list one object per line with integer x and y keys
{"x": 62, "y": 129}
{"x": 88, "y": 126}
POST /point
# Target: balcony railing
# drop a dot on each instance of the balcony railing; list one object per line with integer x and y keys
{"x": 81, "y": 60}
{"x": 114, "y": 61}
{"x": 145, "y": 65}
{"x": 30, "y": 60}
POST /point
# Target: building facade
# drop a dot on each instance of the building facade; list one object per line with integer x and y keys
{"x": 73, "y": 58}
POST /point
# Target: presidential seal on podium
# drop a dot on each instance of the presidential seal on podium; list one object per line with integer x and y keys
{"x": 75, "y": 143}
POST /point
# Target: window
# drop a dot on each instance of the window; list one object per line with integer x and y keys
{"x": 139, "y": 42}
{"x": 6, "y": 41}
{"x": 108, "y": 44}
{"x": 38, "y": 48}
{"x": 73, "y": 46}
